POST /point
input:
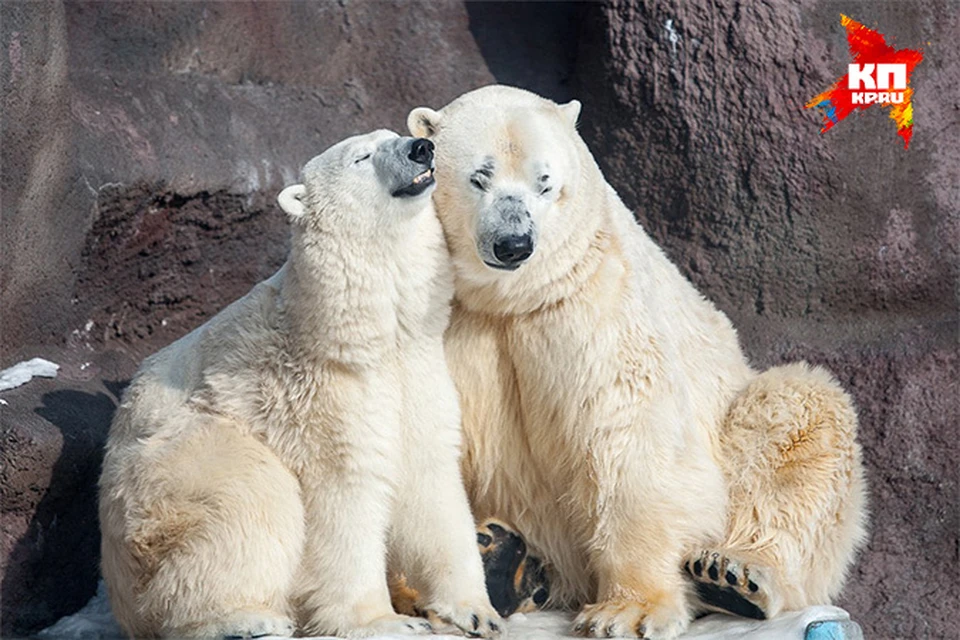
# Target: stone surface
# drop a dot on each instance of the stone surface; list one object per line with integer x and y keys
{"x": 52, "y": 433}
{"x": 143, "y": 145}
{"x": 706, "y": 137}
{"x": 146, "y": 108}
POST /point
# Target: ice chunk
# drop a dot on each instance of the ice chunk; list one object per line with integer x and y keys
{"x": 22, "y": 372}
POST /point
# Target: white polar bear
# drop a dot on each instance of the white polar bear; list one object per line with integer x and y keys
{"x": 609, "y": 413}
{"x": 262, "y": 471}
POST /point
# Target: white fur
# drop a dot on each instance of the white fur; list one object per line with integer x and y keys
{"x": 263, "y": 471}
{"x": 609, "y": 413}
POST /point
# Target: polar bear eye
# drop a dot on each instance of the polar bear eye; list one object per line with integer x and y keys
{"x": 362, "y": 158}
{"x": 544, "y": 187}
{"x": 482, "y": 176}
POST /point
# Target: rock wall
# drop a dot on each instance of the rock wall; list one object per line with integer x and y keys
{"x": 143, "y": 144}
{"x": 149, "y": 108}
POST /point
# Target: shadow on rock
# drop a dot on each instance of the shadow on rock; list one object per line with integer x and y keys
{"x": 57, "y": 452}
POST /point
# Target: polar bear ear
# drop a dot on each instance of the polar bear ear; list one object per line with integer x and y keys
{"x": 571, "y": 111}
{"x": 424, "y": 122}
{"x": 291, "y": 200}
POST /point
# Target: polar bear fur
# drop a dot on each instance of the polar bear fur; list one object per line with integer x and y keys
{"x": 261, "y": 471}
{"x": 608, "y": 411}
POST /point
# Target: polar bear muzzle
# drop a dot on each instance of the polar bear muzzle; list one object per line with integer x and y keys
{"x": 506, "y": 233}
{"x": 405, "y": 166}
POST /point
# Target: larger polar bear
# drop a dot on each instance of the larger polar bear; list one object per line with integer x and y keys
{"x": 608, "y": 410}
{"x": 261, "y": 470}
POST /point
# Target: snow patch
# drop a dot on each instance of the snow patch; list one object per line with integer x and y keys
{"x": 22, "y": 372}
{"x": 95, "y": 622}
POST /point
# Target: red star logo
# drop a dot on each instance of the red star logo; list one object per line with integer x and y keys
{"x": 879, "y": 75}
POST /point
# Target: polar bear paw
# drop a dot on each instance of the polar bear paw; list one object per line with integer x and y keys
{"x": 474, "y": 621}
{"x": 727, "y": 583}
{"x": 516, "y": 581}
{"x": 243, "y": 625}
{"x": 393, "y": 624}
{"x": 632, "y": 619}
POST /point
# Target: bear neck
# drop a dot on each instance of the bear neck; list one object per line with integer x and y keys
{"x": 567, "y": 268}
{"x": 337, "y": 307}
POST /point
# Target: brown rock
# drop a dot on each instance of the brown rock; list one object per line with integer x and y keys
{"x": 137, "y": 109}
{"x": 53, "y": 432}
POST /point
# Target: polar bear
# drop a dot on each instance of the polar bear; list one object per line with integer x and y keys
{"x": 608, "y": 411}
{"x": 264, "y": 472}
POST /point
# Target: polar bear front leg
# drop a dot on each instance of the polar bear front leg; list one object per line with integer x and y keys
{"x": 434, "y": 543}
{"x": 649, "y": 500}
{"x": 342, "y": 589}
{"x": 640, "y": 593}
{"x": 433, "y": 539}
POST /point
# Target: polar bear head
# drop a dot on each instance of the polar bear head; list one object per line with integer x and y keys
{"x": 509, "y": 163}
{"x": 362, "y": 185}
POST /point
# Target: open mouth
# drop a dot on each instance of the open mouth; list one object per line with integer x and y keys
{"x": 418, "y": 186}
{"x": 503, "y": 267}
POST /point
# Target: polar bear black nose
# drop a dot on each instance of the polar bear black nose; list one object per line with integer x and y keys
{"x": 421, "y": 151}
{"x": 512, "y": 250}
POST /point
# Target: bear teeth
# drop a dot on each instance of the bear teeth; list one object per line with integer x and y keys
{"x": 423, "y": 176}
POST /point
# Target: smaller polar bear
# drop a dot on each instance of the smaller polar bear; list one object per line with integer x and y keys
{"x": 264, "y": 472}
